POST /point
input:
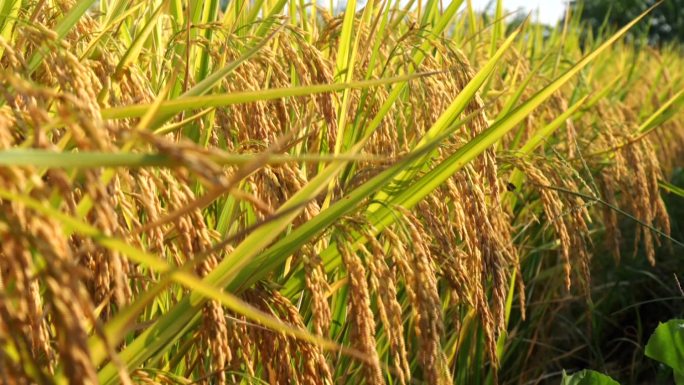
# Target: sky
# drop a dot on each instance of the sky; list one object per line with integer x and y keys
{"x": 550, "y": 11}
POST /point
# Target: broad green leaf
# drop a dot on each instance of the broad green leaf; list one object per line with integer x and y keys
{"x": 587, "y": 377}
{"x": 666, "y": 345}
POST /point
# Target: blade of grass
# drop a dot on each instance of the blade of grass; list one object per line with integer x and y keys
{"x": 8, "y": 17}
{"x": 84, "y": 160}
{"x": 135, "y": 49}
{"x": 171, "y": 107}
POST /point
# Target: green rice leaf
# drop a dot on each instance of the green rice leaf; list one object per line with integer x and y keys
{"x": 85, "y": 160}
{"x": 171, "y": 107}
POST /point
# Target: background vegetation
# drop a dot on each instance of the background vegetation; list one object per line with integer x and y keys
{"x": 666, "y": 23}
{"x": 275, "y": 193}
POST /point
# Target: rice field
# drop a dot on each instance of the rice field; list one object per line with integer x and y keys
{"x": 272, "y": 192}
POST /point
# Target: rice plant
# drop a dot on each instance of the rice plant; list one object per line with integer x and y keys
{"x": 283, "y": 192}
